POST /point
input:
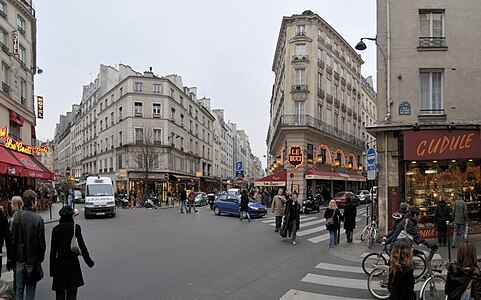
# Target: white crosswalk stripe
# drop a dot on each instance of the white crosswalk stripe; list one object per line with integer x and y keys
{"x": 6, "y": 275}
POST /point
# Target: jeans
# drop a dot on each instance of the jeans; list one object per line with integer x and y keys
{"x": 183, "y": 206}
{"x": 293, "y": 230}
{"x": 191, "y": 205}
{"x": 246, "y": 213}
{"x": 442, "y": 235}
{"x": 21, "y": 276}
{"x": 455, "y": 232}
{"x": 278, "y": 222}
{"x": 332, "y": 238}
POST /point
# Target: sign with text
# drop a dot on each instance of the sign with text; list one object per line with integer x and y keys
{"x": 404, "y": 108}
{"x": 442, "y": 144}
{"x": 40, "y": 107}
{"x": 295, "y": 157}
{"x": 15, "y": 43}
{"x": 238, "y": 166}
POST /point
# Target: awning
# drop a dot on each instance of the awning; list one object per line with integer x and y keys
{"x": 8, "y": 164}
{"x": 185, "y": 177}
{"x": 210, "y": 179}
{"x": 17, "y": 118}
{"x": 275, "y": 179}
{"x": 32, "y": 167}
{"x": 34, "y": 134}
{"x": 316, "y": 174}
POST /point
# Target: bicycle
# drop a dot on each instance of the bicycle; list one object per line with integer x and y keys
{"x": 370, "y": 233}
{"x": 375, "y": 259}
{"x": 432, "y": 288}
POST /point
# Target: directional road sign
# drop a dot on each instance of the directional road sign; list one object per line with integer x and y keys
{"x": 371, "y": 156}
{"x": 238, "y": 166}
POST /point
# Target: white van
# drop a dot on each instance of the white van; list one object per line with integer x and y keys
{"x": 99, "y": 197}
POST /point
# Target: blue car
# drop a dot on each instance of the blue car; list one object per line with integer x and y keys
{"x": 229, "y": 204}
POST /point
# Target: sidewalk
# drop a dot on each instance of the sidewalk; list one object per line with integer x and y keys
{"x": 45, "y": 214}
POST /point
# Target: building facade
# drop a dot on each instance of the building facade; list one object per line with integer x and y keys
{"x": 428, "y": 129}
{"x": 316, "y": 113}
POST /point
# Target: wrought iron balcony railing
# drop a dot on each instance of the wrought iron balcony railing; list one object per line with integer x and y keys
{"x": 329, "y": 98}
{"x": 321, "y": 93}
{"x": 320, "y": 63}
{"x": 5, "y": 88}
{"x": 432, "y": 42}
{"x": 431, "y": 111}
{"x": 299, "y": 88}
{"x": 337, "y": 103}
{"x": 300, "y": 57}
{"x": 329, "y": 69}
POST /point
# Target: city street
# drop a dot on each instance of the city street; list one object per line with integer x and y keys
{"x": 163, "y": 254}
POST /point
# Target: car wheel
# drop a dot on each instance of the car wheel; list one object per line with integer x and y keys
{"x": 217, "y": 211}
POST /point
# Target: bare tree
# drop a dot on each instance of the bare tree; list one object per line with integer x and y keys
{"x": 146, "y": 156}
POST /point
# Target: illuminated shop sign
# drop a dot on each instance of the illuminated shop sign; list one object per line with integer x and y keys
{"x": 295, "y": 157}
{"x": 14, "y": 145}
{"x": 442, "y": 144}
{"x": 40, "y": 107}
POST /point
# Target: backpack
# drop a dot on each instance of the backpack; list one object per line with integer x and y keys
{"x": 404, "y": 233}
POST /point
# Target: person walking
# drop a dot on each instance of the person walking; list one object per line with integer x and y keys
{"x": 5, "y": 236}
{"x": 350, "y": 213}
{"x": 292, "y": 217}
{"x": 441, "y": 216}
{"x": 401, "y": 271}
{"x": 333, "y": 222}
{"x": 64, "y": 264}
{"x": 28, "y": 245}
{"x": 17, "y": 206}
{"x": 244, "y": 206}
{"x": 265, "y": 198}
{"x": 182, "y": 199}
{"x": 463, "y": 280}
{"x": 326, "y": 195}
{"x": 191, "y": 198}
{"x": 258, "y": 196}
{"x": 460, "y": 218}
{"x": 278, "y": 208}
{"x": 169, "y": 199}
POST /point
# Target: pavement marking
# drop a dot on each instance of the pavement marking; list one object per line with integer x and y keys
{"x": 310, "y": 231}
{"x": 341, "y": 268}
{"x": 301, "y": 295}
{"x": 319, "y": 238}
{"x": 334, "y": 281}
{"x": 313, "y": 222}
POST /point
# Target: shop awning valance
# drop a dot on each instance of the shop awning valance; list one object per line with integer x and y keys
{"x": 9, "y": 164}
{"x": 32, "y": 167}
{"x": 324, "y": 175}
{"x": 17, "y": 118}
{"x": 275, "y": 179}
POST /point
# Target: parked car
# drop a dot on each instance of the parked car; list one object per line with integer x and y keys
{"x": 364, "y": 196}
{"x": 78, "y": 196}
{"x": 340, "y": 198}
{"x": 229, "y": 204}
{"x": 234, "y": 191}
{"x": 200, "y": 199}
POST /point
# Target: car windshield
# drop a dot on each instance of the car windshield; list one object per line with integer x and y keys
{"x": 100, "y": 190}
{"x": 340, "y": 194}
{"x": 199, "y": 196}
{"x": 77, "y": 193}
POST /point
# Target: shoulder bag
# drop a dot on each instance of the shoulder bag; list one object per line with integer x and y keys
{"x": 330, "y": 221}
{"x": 404, "y": 233}
{"x": 467, "y": 293}
{"x": 74, "y": 244}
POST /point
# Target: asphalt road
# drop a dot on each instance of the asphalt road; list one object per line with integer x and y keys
{"x": 163, "y": 254}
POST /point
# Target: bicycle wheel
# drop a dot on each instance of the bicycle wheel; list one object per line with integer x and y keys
{"x": 433, "y": 289}
{"x": 371, "y": 261}
{"x": 371, "y": 238}
{"x": 419, "y": 266}
{"x": 377, "y": 282}
{"x": 364, "y": 233}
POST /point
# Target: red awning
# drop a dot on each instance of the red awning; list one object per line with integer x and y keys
{"x": 316, "y": 174}
{"x": 8, "y": 164}
{"x": 34, "y": 135}
{"x": 33, "y": 168}
{"x": 275, "y": 179}
{"x": 14, "y": 117}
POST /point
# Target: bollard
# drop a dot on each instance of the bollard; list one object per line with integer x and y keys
{"x": 449, "y": 240}
{"x": 367, "y": 214}
{"x": 50, "y": 209}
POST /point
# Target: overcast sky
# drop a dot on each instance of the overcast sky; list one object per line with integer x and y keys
{"x": 224, "y": 48}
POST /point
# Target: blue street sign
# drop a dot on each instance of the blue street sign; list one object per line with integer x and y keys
{"x": 371, "y": 156}
{"x": 238, "y": 166}
{"x": 371, "y": 167}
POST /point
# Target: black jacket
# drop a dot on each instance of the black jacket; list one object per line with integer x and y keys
{"x": 337, "y": 218}
{"x": 28, "y": 237}
{"x": 411, "y": 229}
{"x": 64, "y": 265}
{"x": 441, "y": 215}
{"x": 457, "y": 281}
{"x": 294, "y": 209}
{"x": 244, "y": 205}
{"x": 350, "y": 213}
{"x": 401, "y": 284}
{"x": 5, "y": 234}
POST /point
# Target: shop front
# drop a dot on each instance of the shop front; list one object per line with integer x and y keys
{"x": 442, "y": 164}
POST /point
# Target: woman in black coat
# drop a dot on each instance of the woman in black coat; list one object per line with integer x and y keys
{"x": 333, "y": 222}
{"x": 292, "y": 217}
{"x": 350, "y": 213}
{"x": 441, "y": 215}
{"x": 64, "y": 264}
{"x": 244, "y": 205}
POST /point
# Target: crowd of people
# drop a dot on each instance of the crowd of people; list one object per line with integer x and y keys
{"x": 24, "y": 238}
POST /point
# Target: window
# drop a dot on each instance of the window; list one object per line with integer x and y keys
{"x": 157, "y": 88}
{"x": 112, "y": 141}
{"x": 320, "y": 34}
{"x": 121, "y": 92}
{"x": 119, "y": 161}
{"x": 139, "y": 135}
{"x": 23, "y": 92}
{"x": 22, "y": 53}
{"x": 191, "y": 126}
{"x": 182, "y": 120}
{"x": 320, "y": 112}
{"x": 120, "y": 113}
{"x": 196, "y": 130}
{"x": 336, "y": 120}
{"x": 181, "y": 100}
{"x": 138, "y": 87}
{"x": 21, "y": 25}
{"x": 190, "y": 110}
{"x": 156, "y": 109}
{"x": 172, "y": 114}
{"x": 120, "y": 138}
{"x": 14, "y": 131}
{"x": 431, "y": 29}
{"x": 5, "y": 76}
{"x": 319, "y": 54}
{"x": 300, "y": 76}
{"x": 300, "y": 49}
{"x": 112, "y": 119}
{"x": 172, "y": 93}
{"x": 301, "y": 30}
{"x": 138, "y": 109}
{"x": 3, "y": 10}
{"x": 319, "y": 81}
{"x": 157, "y": 136}
{"x": 101, "y": 125}
{"x": 343, "y": 123}
{"x": 431, "y": 92}
{"x": 299, "y": 111}
{"x": 4, "y": 38}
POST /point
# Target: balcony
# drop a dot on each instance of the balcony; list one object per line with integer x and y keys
{"x": 5, "y": 48}
{"x": 300, "y": 58}
{"x": 21, "y": 30}
{"x": 23, "y": 101}
{"x": 309, "y": 121}
{"x": 320, "y": 93}
{"x": 337, "y": 103}
{"x": 329, "y": 69}
{"x": 300, "y": 33}
{"x": 359, "y": 96}
{"x": 320, "y": 39}
{"x": 354, "y": 91}
{"x": 343, "y": 80}
{"x": 5, "y": 88}
{"x": 349, "y": 111}
{"x": 299, "y": 88}
{"x": 329, "y": 46}
{"x": 320, "y": 63}
{"x": 329, "y": 98}
{"x": 3, "y": 14}
{"x": 359, "y": 118}
{"x": 432, "y": 42}
{"x": 349, "y": 87}
{"x": 27, "y": 6}
{"x": 336, "y": 75}
{"x": 354, "y": 115}
{"x": 343, "y": 107}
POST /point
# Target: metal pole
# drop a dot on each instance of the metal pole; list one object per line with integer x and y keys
{"x": 449, "y": 241}
{"x": 367, "y": 214}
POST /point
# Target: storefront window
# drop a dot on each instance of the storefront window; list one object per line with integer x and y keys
{"x": 427, "y": 182}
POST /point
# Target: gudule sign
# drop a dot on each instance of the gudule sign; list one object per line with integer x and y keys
{"x": 442, "y": 144}
{"x": 295, "y": 157}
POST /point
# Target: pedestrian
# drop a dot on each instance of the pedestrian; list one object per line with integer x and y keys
{"x": 64, "y": 264}
{"x": 401, "y": 268}
{"x": 460, "y": 218}
{"x": 258, "y": 196}
{"x": 191, "y": 198}
{"x": 350, "y": 213}
{"x": 69, "y": 198}
{"x": 28, "y": 245}
{"x": 244, "y": 206}
{"x": 278, "y": 208}
{"x": 326, "y": 195}
{"x": 292, "y": 217}
{"x": 5, "y": 235}
{"x": 265, "y": 198}
{"x": 169, "y": 199}
{"x": 17, "y": 206}
{"x": 333, "y": 222}
{"x": 464, "y": 275}
{"x": 183, "y": 199}
{"x": 441, "y": 216}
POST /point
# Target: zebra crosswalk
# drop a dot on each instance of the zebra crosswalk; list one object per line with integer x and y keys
{"x": 6, "y": 275}
{"x": 313, "y": 229}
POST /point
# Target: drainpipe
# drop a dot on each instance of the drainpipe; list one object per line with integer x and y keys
{"x": 388, "y": 115}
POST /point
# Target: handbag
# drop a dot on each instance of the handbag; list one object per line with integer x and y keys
{"x": 34, "y": 272}
{"x": 74, "y": 244}
{"x": 283, "y": 231}
{"x": 404, "y": 234}
{"x": 330, "y": 221}
{"x": 467, "y": 293}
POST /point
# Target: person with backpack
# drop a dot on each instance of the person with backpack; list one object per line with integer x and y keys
{"x": 333, "y": 222}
